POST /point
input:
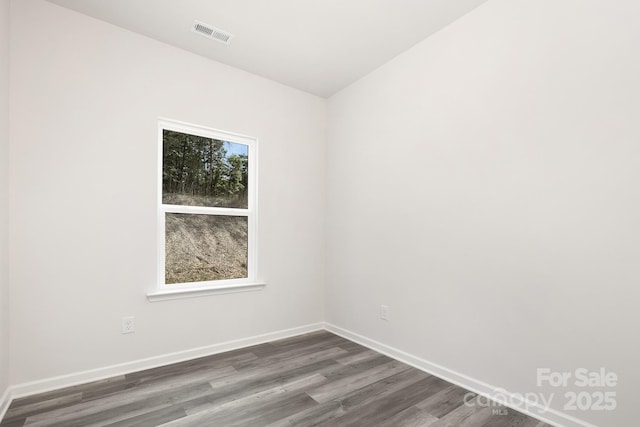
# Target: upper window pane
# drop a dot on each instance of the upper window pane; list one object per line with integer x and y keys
{"x": 200, "y": 171}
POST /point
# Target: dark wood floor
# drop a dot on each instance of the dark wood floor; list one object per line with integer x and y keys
{"x": 318, "y": 379}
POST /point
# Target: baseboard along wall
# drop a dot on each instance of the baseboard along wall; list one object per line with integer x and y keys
{"x": 508, "y": 399}
{"x": 550, "y": 416}
{"x": 48, "y": 384}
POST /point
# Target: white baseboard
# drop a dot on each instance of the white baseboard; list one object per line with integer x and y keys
{"x": 550, "y": 416}
{"x": 41, "y": 386}
{"x": 5, "y": 401}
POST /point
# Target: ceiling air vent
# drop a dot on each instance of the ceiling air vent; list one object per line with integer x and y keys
{"x": 211, "y": 32}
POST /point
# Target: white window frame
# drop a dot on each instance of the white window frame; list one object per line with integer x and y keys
{"x": 163, "y": 291}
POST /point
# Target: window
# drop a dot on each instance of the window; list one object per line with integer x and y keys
{"x": 206, "y": 211}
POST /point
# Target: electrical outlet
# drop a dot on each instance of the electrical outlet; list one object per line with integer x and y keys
{"x": 384, "y": 312}
{"x": 128, "y": 326}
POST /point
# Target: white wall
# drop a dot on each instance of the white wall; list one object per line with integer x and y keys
{"x": 484, "y": 185}
{"x": 4, "y": 195}
{"x": 85, "y": 101}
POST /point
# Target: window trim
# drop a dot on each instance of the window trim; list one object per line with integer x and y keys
{"x": 163, "y": 291}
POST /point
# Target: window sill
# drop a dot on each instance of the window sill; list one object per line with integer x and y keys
{"x": 192, "y": 293}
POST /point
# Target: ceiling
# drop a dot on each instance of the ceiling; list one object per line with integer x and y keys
{"x": 316, "y": 46}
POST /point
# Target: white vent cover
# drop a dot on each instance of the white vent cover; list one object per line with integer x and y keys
{"x": 211, "y": 32}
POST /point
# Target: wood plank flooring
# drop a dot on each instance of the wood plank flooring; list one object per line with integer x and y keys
{"x": 317, "y": 379}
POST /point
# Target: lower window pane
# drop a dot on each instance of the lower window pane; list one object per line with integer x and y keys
{"x": 205, "y": 247}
